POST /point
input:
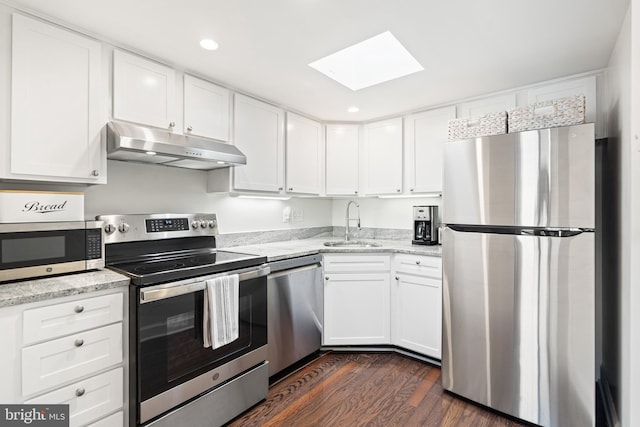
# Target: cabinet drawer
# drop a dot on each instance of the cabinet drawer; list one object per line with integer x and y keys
{"x": 89, "y": 399}
{"x": 57, "y": 320}
{"x": 420, "y": 265}
{"x": 56, "y": 362}
{"x": 356, "y": 263}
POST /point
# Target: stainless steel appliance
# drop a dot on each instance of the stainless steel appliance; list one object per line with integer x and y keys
{"x": 35, "y": 249}
{"x": 126, "y": 141}
{"x": 174, "y": 379}
{"x": 425, "y": 225}
{"x": 295, "y": 313}
{"x": 518, "y": 284}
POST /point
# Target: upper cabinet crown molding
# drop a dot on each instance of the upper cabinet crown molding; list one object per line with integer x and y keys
{"x": 144, "y": 91}
{"x": 56, "y": 106}
{"x": 492, "y": 104}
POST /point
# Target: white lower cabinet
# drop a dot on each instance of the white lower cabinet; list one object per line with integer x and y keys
{"x": 356, "y": 300}
{"x": 417, "y": 304}
{"x": 374, "y": 299}
{"x": 68, "y": 350}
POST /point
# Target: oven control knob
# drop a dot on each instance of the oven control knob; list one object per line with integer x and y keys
{"x": 203, "y": 224}
{"x": 195, "y": 224}
{"x": 109, "y": 228}
{"x": 212, "y": 224}
{"x": 123, "y": 228}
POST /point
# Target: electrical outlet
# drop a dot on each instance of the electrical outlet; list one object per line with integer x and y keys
{"x": 297, "y": 215}
{"x": 286, "y": 214}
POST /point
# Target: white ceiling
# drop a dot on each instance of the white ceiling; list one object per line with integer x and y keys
{"x": 467, "y": 47}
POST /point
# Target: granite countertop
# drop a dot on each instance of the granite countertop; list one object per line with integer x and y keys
{"x": 27, "y": 291}
{"x": 277, "y": 251}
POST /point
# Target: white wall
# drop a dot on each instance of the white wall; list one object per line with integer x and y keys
{"x": 382, "y": 213}
{"x": 143, "y": 188}
{"x": 621, "y": 295}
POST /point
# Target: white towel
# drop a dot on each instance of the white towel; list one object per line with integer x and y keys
{"x": 221, "y": 311}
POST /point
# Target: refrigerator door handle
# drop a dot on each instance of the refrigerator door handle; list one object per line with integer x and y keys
{"x": 521, "y": 231}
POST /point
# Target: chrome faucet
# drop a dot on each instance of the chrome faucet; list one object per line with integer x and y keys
{"x": 346, "y": 230}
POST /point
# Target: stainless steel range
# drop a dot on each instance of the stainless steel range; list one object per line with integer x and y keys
{"x": 174, "y": 379}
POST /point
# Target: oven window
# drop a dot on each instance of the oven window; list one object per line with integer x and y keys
{"x": 170, "y": 342}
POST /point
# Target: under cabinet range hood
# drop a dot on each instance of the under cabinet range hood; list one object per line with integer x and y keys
{"x": 135, "y": 143}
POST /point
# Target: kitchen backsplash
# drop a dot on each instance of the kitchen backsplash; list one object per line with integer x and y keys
{"x": 256, "y": 237}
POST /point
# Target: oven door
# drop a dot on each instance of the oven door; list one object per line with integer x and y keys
{"x": 173, "y": 365}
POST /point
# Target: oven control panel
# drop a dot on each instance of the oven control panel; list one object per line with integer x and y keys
{"x": 167, "y": 224}
{"x": 140, "y": 227}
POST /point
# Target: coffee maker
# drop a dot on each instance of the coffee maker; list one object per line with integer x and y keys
{"x": 425, "y": 225}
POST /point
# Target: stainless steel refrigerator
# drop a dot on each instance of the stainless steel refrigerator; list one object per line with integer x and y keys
{"x": 519, "y": 279}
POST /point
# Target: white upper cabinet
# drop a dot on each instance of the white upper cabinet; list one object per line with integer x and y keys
{"x": 144, "y": 91}
{"x": 493, "y": 104}
{"x": 206, "y": 109}
{"x": 585, "y": 86}
{"x": 382, "y": 157}
{"x": 304, "y": 155}
{"x": 56, "y": 106}
{"x": 259, "y": 133}
{"x": 342, "y": 159}
{"x": 424, "y": 137}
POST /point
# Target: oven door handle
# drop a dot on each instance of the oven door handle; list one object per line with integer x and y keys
{"x": 160, "y": 292}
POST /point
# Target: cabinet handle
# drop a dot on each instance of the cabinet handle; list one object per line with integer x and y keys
{"x": 418, "y": 262}
{"x": 172, "y": 125}
{"x": 397, "y": 277}
{"x": 290, "y": 188}
{"x": 355, "y": 192}
{"x": 79, "y": 391}
{"x": 279, "y": 188}
{"x": 326, "y": 278}
{"x": 79, "y": 309}
{"x": 95, "y": 172}
{"x": 78, "y": 342}
{"x": 398, "y": 190}
{"x": 190, "y": 128}
{"x": 411, "y": 189}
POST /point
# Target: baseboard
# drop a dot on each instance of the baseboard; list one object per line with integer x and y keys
{"x": 382, "y": 349}
{"x": 610, "y": 413}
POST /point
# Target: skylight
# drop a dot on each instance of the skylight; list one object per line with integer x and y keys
{"x": 370, "y": 62}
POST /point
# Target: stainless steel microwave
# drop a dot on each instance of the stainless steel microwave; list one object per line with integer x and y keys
{"x": 36, "y": 249}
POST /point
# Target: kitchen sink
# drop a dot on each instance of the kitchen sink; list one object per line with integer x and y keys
{"x": 351, "y": 244}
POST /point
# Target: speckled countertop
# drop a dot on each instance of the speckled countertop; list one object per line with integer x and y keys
{"x": 294, "y": 248}
{"x": 24, "y": 292}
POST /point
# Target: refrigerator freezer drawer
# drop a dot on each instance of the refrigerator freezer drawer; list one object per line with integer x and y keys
{"x": 537, "y": 178}
{"x": 519, "y": 324}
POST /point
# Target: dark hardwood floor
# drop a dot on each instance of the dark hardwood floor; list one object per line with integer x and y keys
{"x": 366, "y": 389}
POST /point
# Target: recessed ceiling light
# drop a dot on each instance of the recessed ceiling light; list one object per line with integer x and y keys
{"x": 370, "y": 62}
{"x": 151, "y": 153}
{"x": 208, "y": 44}
{"x": 353, "y": 109}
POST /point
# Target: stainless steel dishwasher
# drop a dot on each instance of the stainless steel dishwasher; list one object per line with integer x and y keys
{"x": 295, "y": 310}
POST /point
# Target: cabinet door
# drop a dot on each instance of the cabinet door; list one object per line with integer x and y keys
{"x": 143, "y": 91}
{"x": 585, "y": 86}
{"x": 56, "y": 105}
{"x": 259, "y": 134}
{"x": 356, "y": 309}
{"x": 424, "y": 137}
{"x": 489, "y": 105}
{"x": 304, "y": 155}
{"x": 342, "y": 159}
{"x": 418, "y": 314}
{"x": 382, "y": 157}
{"x": 206, "y": 109}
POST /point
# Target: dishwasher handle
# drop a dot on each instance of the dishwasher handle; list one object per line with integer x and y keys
{"x": 293, "y": 271}
{"x": 160, "y": 292}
